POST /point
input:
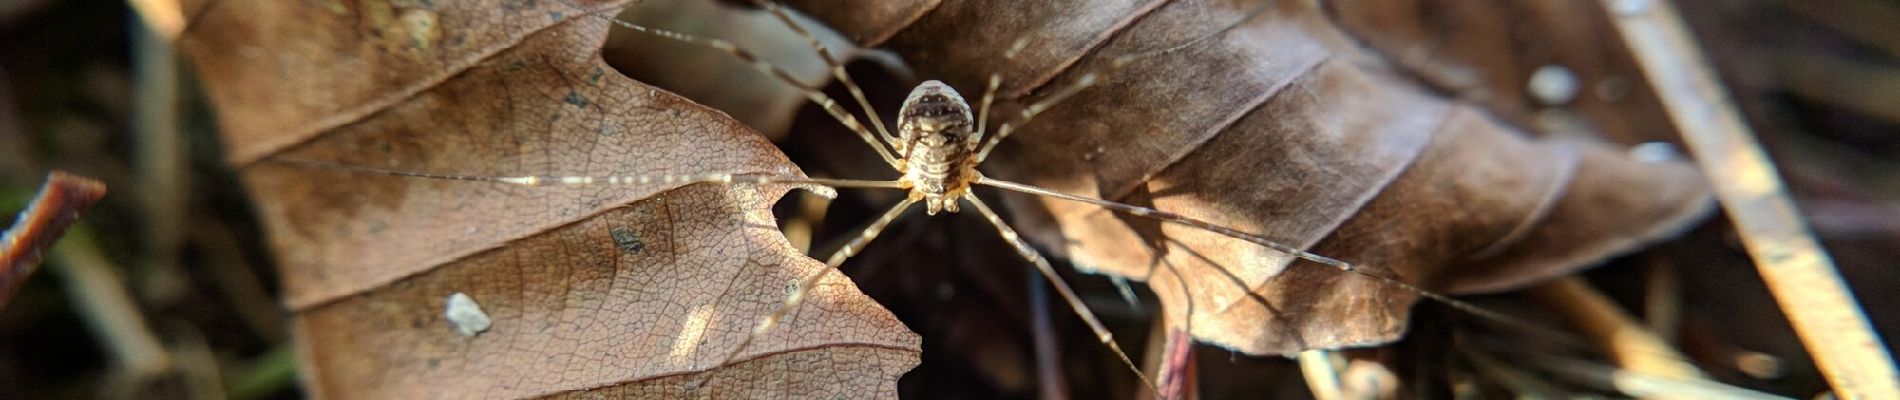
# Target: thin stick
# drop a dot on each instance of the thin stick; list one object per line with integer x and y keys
{"x": 162, "y": 156}
{"x": 1515, "y": 380}
{"x": 166, "y": 18}
{"x": 97, "y": 289}
{"x": 1662, "y": 298}
{"x": 1049, "y": 379}
{"x": 1615, "y": 331}
{"x": 1796, "y": 269}
{"x": 57, "y": 207}
{"x": 1868, "y": 22}
{"x": 1852, "y": 84}
{"x": 1637, "y": 384}
{"x": 1062, "y": 287}
{"x": 797, "y": 297}
{"x": 1321, "y": 373}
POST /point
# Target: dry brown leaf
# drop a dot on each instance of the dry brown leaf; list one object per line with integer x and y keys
{"x": 590, "y": 290}
{"x": 1489, "y": 52}
{"x": 1286, "y": 128}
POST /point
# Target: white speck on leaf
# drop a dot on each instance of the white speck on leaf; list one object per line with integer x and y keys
{"x": 468, "y": 318}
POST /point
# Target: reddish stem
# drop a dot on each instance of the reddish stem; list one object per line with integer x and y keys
{"x": 56, "y": 208}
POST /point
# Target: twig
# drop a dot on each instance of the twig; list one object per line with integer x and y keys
{"x": 1639, "y": 384}
{"x": 1866, "y": 21}
{"x": 166, "y": 17}
{"x": 1321, "y": 371}
{"x": 97, "y": 290}
{"x": 1797, "y": 271}
{"x": 57, "y": 207}
{"x": 1860, "y": 86}
{"x": 1662, "y": 298}
{"x": 160, "y": 155}
{"x": 1050, "y": 382}
{"x": 1621, "y": 335}
{"x": 1517, "y": 381}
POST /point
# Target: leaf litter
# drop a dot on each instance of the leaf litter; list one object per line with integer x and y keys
{"x": 1377, "y": 152}
{"x": 1302, "y": 138}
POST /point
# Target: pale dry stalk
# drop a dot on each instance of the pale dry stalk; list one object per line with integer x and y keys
{"x": 1796, "y": 269}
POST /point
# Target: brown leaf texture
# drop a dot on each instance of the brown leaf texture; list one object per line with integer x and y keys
{"x": 1283, "y": 127}
{"x": 1487, "y": 52}
{"x": 590, "y": 290}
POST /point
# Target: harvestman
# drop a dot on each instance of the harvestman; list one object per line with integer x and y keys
{"x": 937, "y": 148}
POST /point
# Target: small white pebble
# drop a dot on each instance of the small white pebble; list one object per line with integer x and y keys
{"x": 468, "y": 318}
{"x": 1655, "y": 152}
{"x": 1554, "y": 85}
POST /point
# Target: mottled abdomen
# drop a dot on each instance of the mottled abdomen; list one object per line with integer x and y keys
{"x": 939, "y": 138}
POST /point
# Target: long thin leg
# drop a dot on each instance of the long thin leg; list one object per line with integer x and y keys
{"x": 1168, "y": 217}
{"x": 615, "y": 180}
{"x": 804, "y": 285}
{"x": 1165, "y": 216}
{"x": 812, "y": 93}
{"x": 1062, "y": 287}
{"x": 989, "y": 93}
{"x": 836, "y": 71}
{"x": 1089, "y": 79}
{"x": 1023, "y": 117}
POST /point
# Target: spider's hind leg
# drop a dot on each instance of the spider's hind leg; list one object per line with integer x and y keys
{"x": 1022, "y": 248}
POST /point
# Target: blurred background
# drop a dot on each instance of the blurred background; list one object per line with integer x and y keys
{"x": 165, "y": 290}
